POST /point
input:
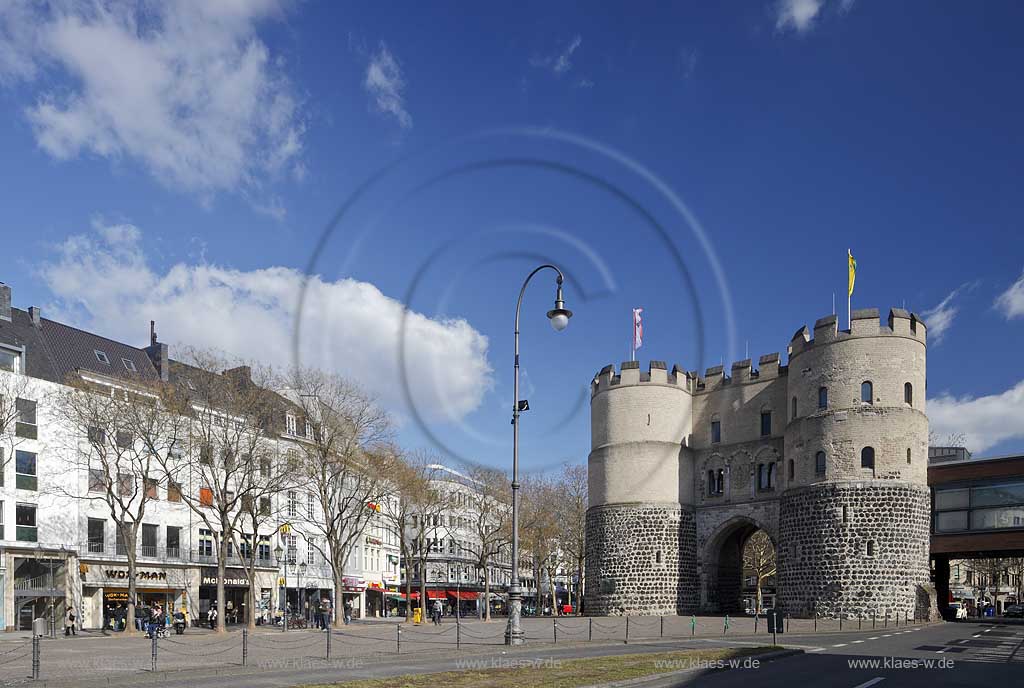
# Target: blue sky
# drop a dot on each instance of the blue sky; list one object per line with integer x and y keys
{"x": 170, "y": 163}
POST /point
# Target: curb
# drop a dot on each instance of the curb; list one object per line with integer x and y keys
{"x": 641, "y": 680}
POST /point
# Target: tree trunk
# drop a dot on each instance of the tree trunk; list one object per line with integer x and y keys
{"x": 129, "y": 622}
{"x": 339, "y": 595}
{"x": 251, "y": 595}
{"x": 487, "y": 593}
{"x": 408, "y": 594}
{"x": 423, "y": 589}
{"x": 222, "y": 556}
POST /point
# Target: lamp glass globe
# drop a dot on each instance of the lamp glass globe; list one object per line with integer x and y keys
{"x": 559, "y": 321}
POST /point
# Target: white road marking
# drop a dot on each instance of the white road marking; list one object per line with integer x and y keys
{"x": 887, "y": 635}
{"x": 839, "y": 645}
{"x": 875, "y": 638}
{"x": 877, "y": 679}
{"x": 857, "y": 641}
{"x": 818, "y": 649}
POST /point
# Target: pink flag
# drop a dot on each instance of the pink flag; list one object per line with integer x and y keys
{"x": 638, "y": 329}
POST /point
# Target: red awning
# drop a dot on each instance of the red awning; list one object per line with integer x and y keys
{"x": 463, "y": 594}
{"x": 415, "y": 595}
{"x": 436, "y": 594}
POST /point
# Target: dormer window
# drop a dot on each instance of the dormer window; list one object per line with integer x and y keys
{"x": 10, "y": 360}
{"x": 290, "y": 424}
{"x": 309, "y": 430}
{"x": 129, "y": 365}
{"x": 101, "y": 357}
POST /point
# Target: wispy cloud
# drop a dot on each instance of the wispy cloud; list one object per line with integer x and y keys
{"x": 1011, "y": 301}
{"x": 385, "y": 84}
{"x": 688, "y": 62}
{"x": 561, "y": 62}
{"x": 188, "y": 90}
{"x": 985, "y": 421}
{"x": 939, "y": 319}
{"x": 798, "y": 15}
{"x": 103, "y": 280}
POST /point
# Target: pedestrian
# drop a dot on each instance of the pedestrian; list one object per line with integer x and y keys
{"x": 437, "y": 612}
{"x": 211, "y": 616}
{"x": 69, "y": 622}
{"x": 348, "y": 612}
{"x": 325, "y": 613}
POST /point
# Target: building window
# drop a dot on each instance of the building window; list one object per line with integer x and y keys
{"x": 97, "y": 480}
{"x": 867, "y": 394}
{"x": 293, "y": 548}
{"x": 205, "y": 543}
{"x": 25, "y": 471}
{"x": 264, "y": 506}
{"x": 793, "y": 410}
{"x": 290, "y": 424}
{"x": 173, "y": 491}
{"x": 25, "y": 426}
{"x": 25, "y": 523}
{"x": 657, "y": 557}
{"x": 310, "y": 506}
{"x": 123, "y": 439}
{"x": 174, "y": 542}
{"x": 263, "y": 548}
{"x": 819, "y": 463}
{"x": 206, "y": 455}
{"x": 125, "y": 484}
{"x": 846, "y": 514}
{"x": 716, "y": 431}
{"x": 265, "y": 467}
{"x": 792, "y": 469}
{"x": 871, "y": 548}
{"x": 823, "y": 397}
{"x": 867, "y": 457}
{"x": 766, "y": 423}
{"x": 149, "y": 539}
{"x": 293, "y": 506}
{"x": 129, "y": 365}
{"x": 152, "y": 488}
{"x": 101, "y": 357}
{"x": 205, "y": 496}
{"x": 96, "y": 535}
{"x": 908, "y": 456}
{"x": 766, "y": 476}
{"x": 96, "y": 435}
{"x": 10, "y": 360}
{"x": 908, "y": 393}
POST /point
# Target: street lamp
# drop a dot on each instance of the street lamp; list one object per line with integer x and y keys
{"x": 301, "y": 592}
{"x": 283, "y": 605}
{"x": 559, "y": 317}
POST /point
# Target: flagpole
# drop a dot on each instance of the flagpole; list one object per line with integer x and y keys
{"x": 849, "y": 296}
{"x": 632, "y": 336}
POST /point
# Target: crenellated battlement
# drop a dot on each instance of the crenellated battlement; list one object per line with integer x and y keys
{"x": 657, "y": 373}
{"x": 865, "y": 322}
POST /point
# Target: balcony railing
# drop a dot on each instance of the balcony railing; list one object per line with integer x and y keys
{"x": 177, "y": 554}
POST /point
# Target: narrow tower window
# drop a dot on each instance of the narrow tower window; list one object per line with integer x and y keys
{"x": 867, "y": 457}
{"x": 792, "y": 469}
{"x": 867, "y": 394}
{"x": 871, "y": 548}
{"x": 908, "y": 394}
{"x": 822, "y": 397}
{"x": 819, "y": 463}
{"x": 716, "y": 431}
{"x": 908, "y": 456}
{"x": 793, "y": 412}
{"x": 766, "y": 423}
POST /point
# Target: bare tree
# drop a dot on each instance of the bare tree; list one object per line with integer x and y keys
{"x": 572, "y": 521}
{"x": 539, "y": 530}
{"x": 759, "y": 560}
{"x": 488, "y": 504}
{"x": 343, "y": 457}
{"x": 117, "y": 432}
{"x": 231, "y": 436}
{"x": 415, "y": 512}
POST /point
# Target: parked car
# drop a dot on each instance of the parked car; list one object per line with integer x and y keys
{"x": 1014, "y": 610}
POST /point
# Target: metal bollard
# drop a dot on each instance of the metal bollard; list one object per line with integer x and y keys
{"x": 874, "y": 615}
{"x": 626, "y": 641}
{"x": 662, "y": 633}
{"x": 554, "y": 629}
{"x": 815, "y": 620}
{"x": 787, "y": 622}
{"x": 458, "y": 634}
{"x": 725, "y": 629}
{"x": 840, "y": 619}
{"x": 693, "y": 625}
{"x": 886, "y": 619}
{"x": 35, "y": 657}
{"x": 245, "y": 645}
{"x": 755, "y": 623}
{"x": 859, "y": 620}
{"x": 398, "y": 629}
{"x": 154, "y": 652}
{"x": 329, "y": 634}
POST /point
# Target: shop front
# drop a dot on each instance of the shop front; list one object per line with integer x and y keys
{"x": 236, "y": 592}
{"x": 354, "y": 593}
{"x": 105, "y": 593}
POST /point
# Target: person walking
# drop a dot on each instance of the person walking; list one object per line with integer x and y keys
{"x": 348, "y": 612}
{"x": 325, "y": 614}
{"x": 211, "y": 616}
{"x": 436, "y": 612}
{"x": 69, "y": 622}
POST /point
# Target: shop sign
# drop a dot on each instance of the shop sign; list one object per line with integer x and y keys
{"x": 372, "y": 540}
{"x": 122, "y": 575}
{"x": 232, "y": 577}
{"x": 390, "y": 577}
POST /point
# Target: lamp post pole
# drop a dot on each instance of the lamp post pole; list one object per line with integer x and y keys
{"x": 559, "y": 318}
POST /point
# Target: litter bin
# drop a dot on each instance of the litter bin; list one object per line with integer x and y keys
{"x": 417, "y": 616}
{"x": 39, "y": 627}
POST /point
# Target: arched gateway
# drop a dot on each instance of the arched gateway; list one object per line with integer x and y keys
{"x": 684, "y": 469}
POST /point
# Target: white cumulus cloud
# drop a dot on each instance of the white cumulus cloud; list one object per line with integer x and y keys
{"x": 985, "y": 421}
{"x": 796, "y": 14}
{"x": 103, "y": 281}
{"x": 561, "y": 62}
{"x": 1011, "y": 301}
{"x": 187, "y": 89}
{"x": 385, "y": 84}
{"x": 939, "y": 319}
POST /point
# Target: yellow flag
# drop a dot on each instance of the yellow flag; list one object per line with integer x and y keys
{"x": 853, "y": 270}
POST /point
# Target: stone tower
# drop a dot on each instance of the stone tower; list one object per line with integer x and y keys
{"x": 855, "y": 536}
{"x": 827, "y": 455}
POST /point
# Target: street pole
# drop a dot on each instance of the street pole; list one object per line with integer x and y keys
{"x": 559, "y": 318}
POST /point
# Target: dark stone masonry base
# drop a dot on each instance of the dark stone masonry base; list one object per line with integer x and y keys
{"x": 641, "y": 559}
{"x": 856, "y": 550}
